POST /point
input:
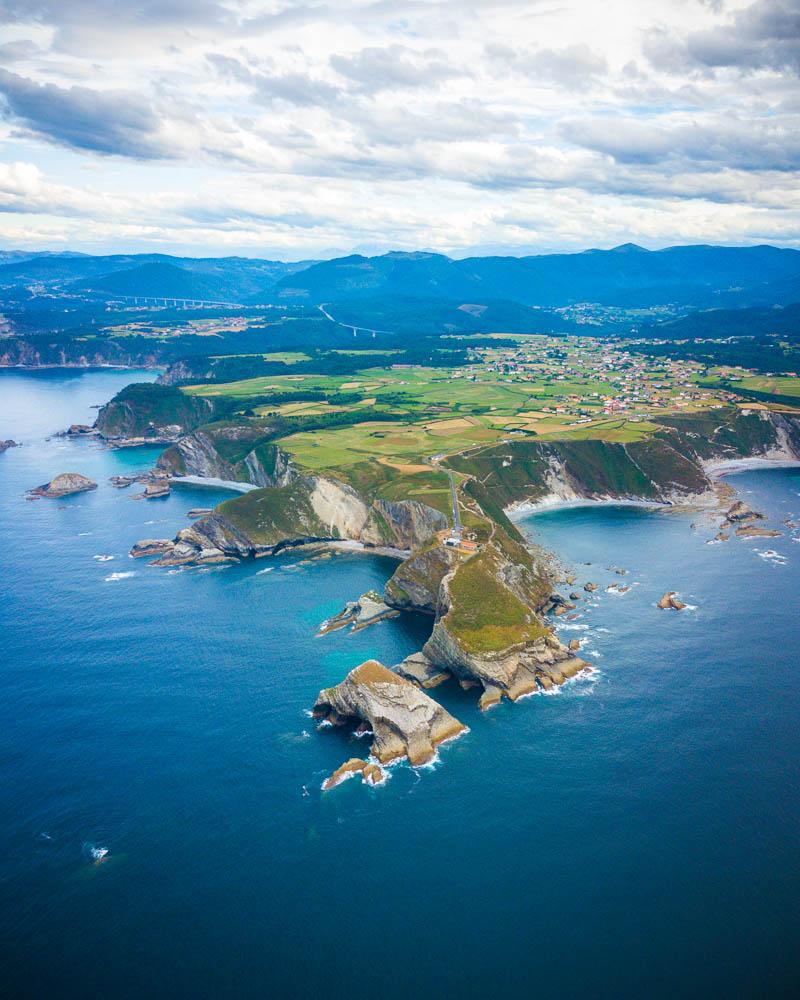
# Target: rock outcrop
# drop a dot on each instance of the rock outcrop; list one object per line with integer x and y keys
{"x": 237, "y": 452}
{"x": 371, "y": 773}
{"x": 367, "y": 610}
{"x": 405, "y": 722}
{"x": 670, "y": 602}
{"x": 417, "y": 581}
{"x": 418, "y": 669}
{"x": 152, "y": 547}
{"x": 8, "y": 443}
{"x": 739, "y": 511}
{"x": 64, "y": 485}
{"x": 751, "y": 531}
{"x": 156, "y": 489}
{"x": 81, "y": 430}
{"x": 304, "y": 510}
{"x": 512, "y": 672}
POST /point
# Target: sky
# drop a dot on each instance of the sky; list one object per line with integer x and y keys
{"x": 313, "y": 128}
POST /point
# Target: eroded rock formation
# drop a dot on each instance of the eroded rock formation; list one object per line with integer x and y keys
{"x": 64, "y": 485}
{"x": 371, "y": 773}
{"x": 405, "y": 721}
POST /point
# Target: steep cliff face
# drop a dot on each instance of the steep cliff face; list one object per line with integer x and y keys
{"x": 404, "y": 721}
{"x": 416, "y": 583}
{"x": 302, "y": 509}
{"x": 199, "y": 454}
{"x": 145, "y": 409}
{"x": 44, "y": 352}
{"x": 667, "y": 466}
{"x": 403, "y": 524}
{"x": 488, "y": 631}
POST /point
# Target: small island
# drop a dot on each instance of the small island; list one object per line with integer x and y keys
{"x": 63, "y": 485}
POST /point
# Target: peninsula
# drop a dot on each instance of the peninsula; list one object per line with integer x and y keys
{"x": 430, "y": 464}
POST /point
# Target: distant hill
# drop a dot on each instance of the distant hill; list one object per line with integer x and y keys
{"x": 627, "y": 276}
{"x": 230, "y": 278}
{"x": 158, "y": 280}
{"x": 431, "y": 316}
{"x": 756, "y": 322}
{"x": 397, "y": 284}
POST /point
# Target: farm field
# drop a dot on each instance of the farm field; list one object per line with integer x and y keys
{"x": 551, "y": 389}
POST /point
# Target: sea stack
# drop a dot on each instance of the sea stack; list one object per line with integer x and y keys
{"x": 405, "y": 722}
{"x": 670, "y": 602}
{"x": 63, "y": 486}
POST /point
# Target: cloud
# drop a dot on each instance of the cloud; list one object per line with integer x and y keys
{"x": 394, "y": 67}
{"x": 97, "y": 27}
{"x": 763, "y": 36}
{"x": 743, "y": 145}
{"x": 575, "y": 67}
{"x": 264, "y": 123}
{"x": 110, "y": 122}
{"x": 293, "y": 87}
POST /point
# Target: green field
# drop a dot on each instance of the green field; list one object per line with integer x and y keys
{"x": 776, "y": 385}
{"x": 552, "y": 389}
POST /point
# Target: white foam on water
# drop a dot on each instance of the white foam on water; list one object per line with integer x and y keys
{"x": 770, "y": 555}
{"x": 261, "y": 572}
{"x": 103, "y": 558}
{"x": 94, "y": 853}
{"x": 119, "y": 576}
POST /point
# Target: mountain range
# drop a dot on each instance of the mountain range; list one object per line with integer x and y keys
{"x": 628, "y": 277}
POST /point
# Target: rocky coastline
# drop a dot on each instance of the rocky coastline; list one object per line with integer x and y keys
{"x": 490, "y": 603}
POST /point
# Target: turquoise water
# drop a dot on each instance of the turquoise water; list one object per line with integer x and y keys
{"x": 633, "y": 835}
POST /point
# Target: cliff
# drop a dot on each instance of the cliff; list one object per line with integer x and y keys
{"x": 55, "y": 351}
{"x": 416, "y": 583}
{"x": 404, "y": 721}
{"x": 148, "y": 410}
{"x": 303, "y": 509}
{"x": 237, "y": 451}
{"x": 667, "y": 466}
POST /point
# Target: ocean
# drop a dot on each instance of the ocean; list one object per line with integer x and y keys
{"x": 634, "y": 834}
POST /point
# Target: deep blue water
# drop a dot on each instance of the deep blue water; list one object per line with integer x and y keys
{"x": 633, "y": 835}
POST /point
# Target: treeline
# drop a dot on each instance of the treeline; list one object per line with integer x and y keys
{"x": 759, "y": 355}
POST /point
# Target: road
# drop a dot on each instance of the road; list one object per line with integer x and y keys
{"x": 355, "y": 329}
{"x": 454, "y": 495}
{"x": 171, "y": 300}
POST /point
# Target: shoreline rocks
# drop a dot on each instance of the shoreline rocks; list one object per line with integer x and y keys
{"x": 670, "y": 602}
{"x": 151, "y": 547}
{"x": 367, "y": 610}
{"x": 418, "y": 669}
{"x": 63, "y": 485}
{"x": 751, "y": 531}
{"x": 196, "y": 512}
{"x": 156, "y": 489}
{"x": 8, "y": 443}
{"x": 404, "y": 720}
{"x": 371, "y": 773}
{"x": 80, "y": 430}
